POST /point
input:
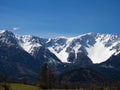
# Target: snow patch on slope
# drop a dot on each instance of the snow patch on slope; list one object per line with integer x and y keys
{"x": 99, "y": 53}
{"x": 62, "y": 55}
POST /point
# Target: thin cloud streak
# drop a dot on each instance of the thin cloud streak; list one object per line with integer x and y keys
{"x": 15, "y": 28}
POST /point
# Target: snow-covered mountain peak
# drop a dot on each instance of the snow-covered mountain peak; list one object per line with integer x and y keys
{"x": 26, "y": 38}
{"x": 28, "y": 42}
{"x": 2, "y": 31}
{"x": 7, "y": 37}
{"x": 6, "y": 33}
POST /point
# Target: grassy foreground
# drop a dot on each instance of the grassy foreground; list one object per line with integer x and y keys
{"x": 21, "y": 87}
{"x": 16, "y": 86}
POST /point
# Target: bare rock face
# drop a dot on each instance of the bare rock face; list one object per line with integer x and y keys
{"x": 80, "y": 58}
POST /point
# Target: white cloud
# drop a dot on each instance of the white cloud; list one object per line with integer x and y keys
{"x": 15, "y": 28}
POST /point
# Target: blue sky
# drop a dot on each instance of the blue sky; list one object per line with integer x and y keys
{"x": 51, "y": 18}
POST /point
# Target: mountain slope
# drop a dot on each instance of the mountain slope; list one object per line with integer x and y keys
{"x": 112, "y": 62}
{"x": 83, "y": 75}
{"x": 14, "y": 61}
{"x": 18, "y": 62}
{"x": 35, "y": 46}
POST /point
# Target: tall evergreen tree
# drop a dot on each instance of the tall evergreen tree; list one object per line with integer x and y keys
{"x": 42, "y": 83}
{"x": 47, "y": 77}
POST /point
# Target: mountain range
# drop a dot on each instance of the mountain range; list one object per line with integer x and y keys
{"x": 90, "y": 44}
{"x": 25, "y": 55}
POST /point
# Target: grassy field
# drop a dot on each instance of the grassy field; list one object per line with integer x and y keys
{"x": 15, "y": 86}
{"x": 20, "y": 87}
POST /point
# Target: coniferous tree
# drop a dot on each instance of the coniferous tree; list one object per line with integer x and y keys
{"x": 47, "y": 78}
{"x": 42, "y": 83}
